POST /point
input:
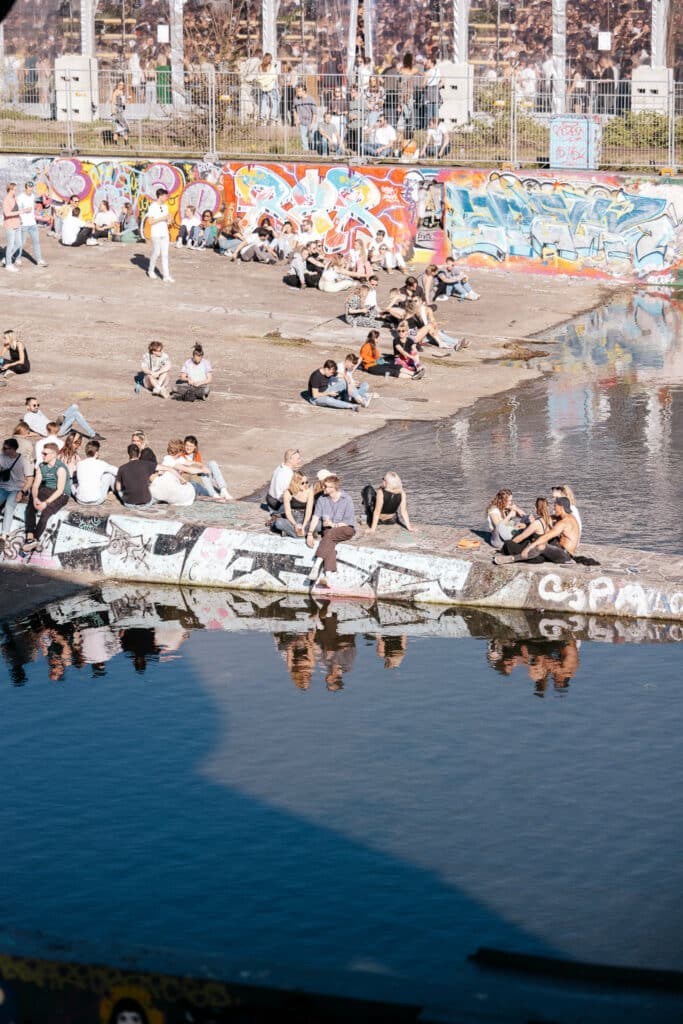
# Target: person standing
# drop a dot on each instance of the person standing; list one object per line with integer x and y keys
{"x": 12, "y": 221}
{"x": 27, "y": 214}
{"x": 305, "y": 116}
{"x": 158, "y": 218}
{"x": 334, "y": 511}
{"x": 50, "y": 491}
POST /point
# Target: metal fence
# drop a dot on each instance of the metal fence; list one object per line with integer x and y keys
{"x": 463, "y": 122}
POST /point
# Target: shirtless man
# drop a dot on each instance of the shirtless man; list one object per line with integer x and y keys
{"x": 565, "y": 533}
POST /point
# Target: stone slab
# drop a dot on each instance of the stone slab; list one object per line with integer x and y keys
{"x": 210, "y": 545}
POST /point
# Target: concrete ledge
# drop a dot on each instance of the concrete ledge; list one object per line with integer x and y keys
{"x": 228, "y": 546}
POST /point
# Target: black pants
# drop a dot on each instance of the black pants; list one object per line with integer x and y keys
{"x": 83, "y": 235}
{"x": 552, "y": 552}
{"x": 369, "y": 498}
{"x": 383, "y": 370}
{"x": 35, "y": 523}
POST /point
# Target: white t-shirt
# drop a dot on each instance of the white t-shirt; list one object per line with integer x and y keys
{"x": 105, "y": 219}
{"x": 197, "y": 373}
{"x": 37, "y": 421}
{"x": 159, "y": 230}
{"x": 89, "y": 473}
{"x": 26, "y": 204}
{"x": 98, "y": 644}
{"x": 59, "y": 441}
{"x": 190, "y": 222}
{"x": 280, "y": 481}
{"x": 170, "y": 488}
{"x": 385, "y": 135}
{"x": 70, "y": 228}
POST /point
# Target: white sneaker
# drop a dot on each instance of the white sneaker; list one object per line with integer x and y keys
{"x": 91, "y": 241}
{"x": 169, "y": 280}
{"x": 164, "y": 392}
{"x": 225, "y": 494}
{"x": 179, "y": 244}
{"x": 367, "y": 401}
{"x": 442, "y": 298}
{"x": 150, "y": 273}
{"x": 17, "y": 263}
{"x": 12, "y": 270}
{"x": 42, "y": 263}
{"x": 472, "y": 296}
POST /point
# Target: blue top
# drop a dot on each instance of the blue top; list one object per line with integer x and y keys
{"x": 337, "y": 512}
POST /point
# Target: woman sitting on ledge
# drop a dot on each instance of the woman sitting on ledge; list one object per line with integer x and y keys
{"x": 387, "y": 505}
{"x": 297, "y": 507}
{"x": 500, "y": 514}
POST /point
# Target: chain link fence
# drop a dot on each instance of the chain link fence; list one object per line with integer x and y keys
{"x": 464, "y": 122}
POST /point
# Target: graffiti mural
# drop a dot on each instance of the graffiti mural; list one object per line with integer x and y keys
{"x": 591, "y": 225}
{"x": 594, "y": 225}
{"x": 241, "y": 556}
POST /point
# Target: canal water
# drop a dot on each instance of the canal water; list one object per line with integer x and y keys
{"x": 373, "y": 789}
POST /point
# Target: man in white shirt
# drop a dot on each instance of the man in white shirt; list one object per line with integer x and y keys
{"x": 26, "y": 203}
{"x": 95, "y": 477}
{"x": 167, "y": 485}
{"x": 72, "y": 419}
{"x": 75, "y": 231}
{"x": 382, "y": 138}
{"x": 196, "y": 376}
{"x": 158, "y": 218}
{"x": 282, "y": 478}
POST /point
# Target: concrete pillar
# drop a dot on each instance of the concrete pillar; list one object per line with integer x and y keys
{"x": 269, "y": 13}
{"x": 177, "y": 51}
{"x": 559, "y": 84}
{"x": 88, "y": 10}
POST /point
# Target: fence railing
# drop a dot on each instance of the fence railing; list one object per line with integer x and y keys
{"x": 462, "y": 122}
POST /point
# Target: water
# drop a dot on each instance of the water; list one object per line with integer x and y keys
{"x": 374, "y": 789}
{"x": 610, "y": 424}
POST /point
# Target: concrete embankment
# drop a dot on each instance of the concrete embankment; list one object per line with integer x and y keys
{"x": 228, "y": 546}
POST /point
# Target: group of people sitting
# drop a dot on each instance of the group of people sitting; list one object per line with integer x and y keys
{"x": 308, "y": 510}
{"x": 551, "y": 533}
{"x": 193, "y": 383}
{"x": 45, "y": 463}
{"x": 73, "y": 229}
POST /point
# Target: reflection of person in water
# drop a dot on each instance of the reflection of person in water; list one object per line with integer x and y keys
{"x": 392, "y": 649}
{"x": 298, "y": 652}
{"x": 544, "y": 660}
{"x": 139, "y": 644}
{"x": 128, "y": 1011}
{"x": 337, "y": 651}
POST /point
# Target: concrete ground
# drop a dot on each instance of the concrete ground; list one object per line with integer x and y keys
{"x": 87, "y": 318}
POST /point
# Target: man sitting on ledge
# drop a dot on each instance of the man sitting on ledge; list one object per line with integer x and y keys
{"x": 558, "y": 544}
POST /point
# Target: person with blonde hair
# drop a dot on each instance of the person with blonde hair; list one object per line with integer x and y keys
{"x": 386, "y": 505}
{"x": 539, "y": 523}
{"x": 565, "y": 491}
{"x": 297, "y": 507}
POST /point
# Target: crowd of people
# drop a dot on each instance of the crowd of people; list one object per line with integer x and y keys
{"x": 549, "y": 533}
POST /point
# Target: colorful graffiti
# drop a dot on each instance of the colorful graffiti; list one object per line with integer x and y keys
{"x": 594, "y": 225}
{"x": 591, "y": 225}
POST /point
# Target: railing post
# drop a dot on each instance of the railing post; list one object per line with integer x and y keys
{"x": 213, "y": 144}
{"x": 513, "y": 121}
{"x": 671, "y": 155}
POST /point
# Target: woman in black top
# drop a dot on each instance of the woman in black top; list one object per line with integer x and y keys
{"x": 13, "y": 356}
{"x": 386, "y": 505}
{"x": 297, "y": 507}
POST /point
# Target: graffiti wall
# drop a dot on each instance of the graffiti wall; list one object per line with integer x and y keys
{"x": 241, "y": 556}
{"x": 588, "y": 224}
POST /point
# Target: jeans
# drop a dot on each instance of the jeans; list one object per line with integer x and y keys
{"x": 36, "y": 522}
{"x": 330, "y": 402}
{"x": 283, "y": 525}
{"x": 72, "y": 417}
{"x": 9, "y": 500}
{"x": 12, "y": 245}
{"x": 306, "y": 133}
{"x": 159, "y": 250}
{"x": 32, "y": 230}
{"x": 461, "y": 289}
{"x": 270, "y": 105}
{"x": 106, "y": 485}
{"x": 359, "y": 391}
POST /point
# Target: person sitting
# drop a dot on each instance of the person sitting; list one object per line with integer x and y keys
{"x": 196, "y": 375}
{"x": 558, "y": 544}
{"x": 358, "y": 264}
{"x": 70, "y": 454}
{"x": 13, "y": 356}
{"x": 256, "y": 247}
{"x": 407, "y": 354}
{"x": 343, "y": 383}
{"x": 155, "y": 368}
{"x": 132, "y": 479}
{"x": 297, "y": 507}
{"x": 386, "y": 505}
{"x": 501, "y": 513}
{"x": 167, "y": 485}
{"x": 52, "y": 429}
{"x": 565, "y": 491}
{"x": 438, "y": 144}
{"x": 540, "y": 522}
{"x": 395, "y": 311}
{"x": 204, "y": 236}
{"x": 50, "y": 492}
{"x": 71, "y": 419}
{"x": 335, "y": 513}
{"x": 382, "y": 139}
{"x": 282, "y": 477}
{"x": 452, "y": 281}
{"x": 315, "y": 264}
{"x": 285, "y": 241}
{"x": 429, "y": 283}
{"x": 146, "y": 453}
{"x": 388, "y": 254}
{"x": 296, "y": 278}
{"x": 188, "y": 224}
{"x": 334, "y": 278}
{"x": 126, "y": 229}
{"x": 15, "y": 485}
{"x": 104, "y": 220}
{"x": 320, "y": 392}
{"x": 94, "y": 477}
{"x": 210, "y": 473}
{"x": 229, "y": 239}
{"x": 75, "y": 231}
{"x": 372, "y": 360}
{"x": 360, "y": 310}
{"x": 328, "y": 139}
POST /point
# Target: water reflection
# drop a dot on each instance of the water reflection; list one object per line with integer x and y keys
{"x": 607, "y": 419}
{"x": 143, "y": 625}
